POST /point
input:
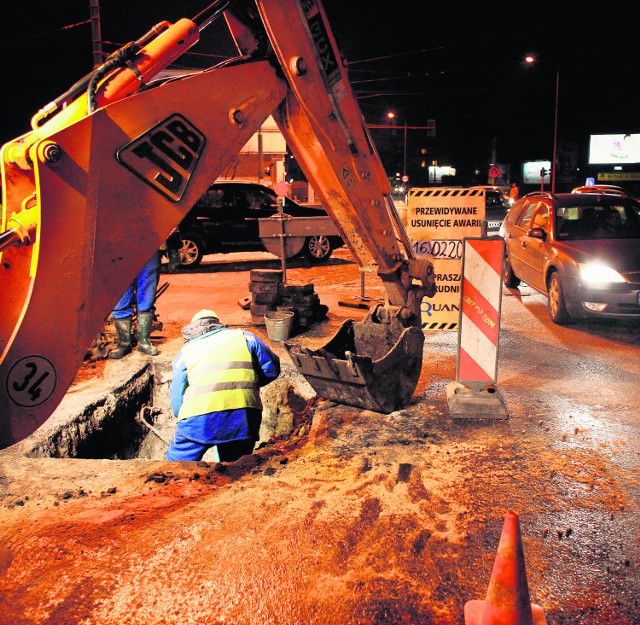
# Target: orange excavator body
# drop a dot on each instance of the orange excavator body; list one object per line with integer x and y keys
{"x": 110, "y": 168}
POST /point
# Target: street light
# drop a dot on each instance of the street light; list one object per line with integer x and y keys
{"x": 430, "y": 128}
{"x": 530, "y": 59}
{"x": 391, "y": 116}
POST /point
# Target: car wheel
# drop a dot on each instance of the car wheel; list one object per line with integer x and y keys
{"x": 509, "y": 279}
{"x": 192, "y": 251}
{"x": 318, "y": 248}
{"x": 557, "y": 307}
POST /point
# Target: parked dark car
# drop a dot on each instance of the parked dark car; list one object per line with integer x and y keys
{"x": 225, "y": 219}
{"x": 581, "y": 250}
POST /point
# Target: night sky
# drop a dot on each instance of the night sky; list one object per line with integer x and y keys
{"x": 462, "y": 68}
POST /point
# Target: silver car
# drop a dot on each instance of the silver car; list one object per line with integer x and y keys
{"x": 581, "y": 250}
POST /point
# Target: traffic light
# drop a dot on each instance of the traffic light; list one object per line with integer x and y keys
{"x": 543, "y": 172}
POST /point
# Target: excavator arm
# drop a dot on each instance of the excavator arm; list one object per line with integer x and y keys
{"x": 324, "y": 128}
{"x": 113, "y": 165}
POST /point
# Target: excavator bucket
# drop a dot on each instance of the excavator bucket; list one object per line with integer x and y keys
{"x": 373, "y": 364}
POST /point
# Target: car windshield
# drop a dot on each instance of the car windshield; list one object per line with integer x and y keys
{"x": 598, "y": 221}
{"x": 495, "y": 200}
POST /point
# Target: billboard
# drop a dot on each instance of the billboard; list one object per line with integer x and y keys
{"x": 614, "y": 149}
{"x": 531, "y": 172}
{"x": 437, "y": 172}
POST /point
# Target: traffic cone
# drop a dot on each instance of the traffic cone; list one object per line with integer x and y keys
{"x": 507, "y": 601}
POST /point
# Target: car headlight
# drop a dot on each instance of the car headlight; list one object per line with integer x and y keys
{"x": 596, "y": 274}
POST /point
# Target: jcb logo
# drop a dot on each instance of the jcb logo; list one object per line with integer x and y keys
{"x": 166, "y": 156}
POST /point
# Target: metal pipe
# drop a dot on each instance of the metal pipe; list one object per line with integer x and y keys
{"x": 9, "y": 238}
{"x": 141, "y": 418}
{"x": 210, "y": 14}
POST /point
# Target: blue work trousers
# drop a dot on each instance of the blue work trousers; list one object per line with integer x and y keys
{"x": 143, "y": 289}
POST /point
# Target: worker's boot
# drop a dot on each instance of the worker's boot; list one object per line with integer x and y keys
{"x": 145, "y": 320}
{"x": 123, "y": 328}
{"x": 174, "y": 261}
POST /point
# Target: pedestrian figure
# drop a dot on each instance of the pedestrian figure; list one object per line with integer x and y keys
{"x": 514, "y": 191}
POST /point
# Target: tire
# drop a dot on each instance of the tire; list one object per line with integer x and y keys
{"x": 318, "y": 248}
{"x": 557, "y": 308}
{"x": 192, "y": 250}
{"x": 509, "y": 279}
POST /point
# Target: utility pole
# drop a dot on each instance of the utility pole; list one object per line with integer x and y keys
{"x": 430, "y": 128}
{"x": 96, "y": 34}
{"x": 404, "y": 166}
{"x": 555, "y": 136}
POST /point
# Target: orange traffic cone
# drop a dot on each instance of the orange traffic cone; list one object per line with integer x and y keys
{"x": 507, "y": 601}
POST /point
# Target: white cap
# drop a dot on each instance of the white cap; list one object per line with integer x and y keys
{"x": 201, "y": 314}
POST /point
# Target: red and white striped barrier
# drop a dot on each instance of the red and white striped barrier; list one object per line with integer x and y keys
{"x": 480, "y": 310}
{"x": 473, "y": 394}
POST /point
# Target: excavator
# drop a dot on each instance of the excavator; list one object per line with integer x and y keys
{"x": 108, "y": 169}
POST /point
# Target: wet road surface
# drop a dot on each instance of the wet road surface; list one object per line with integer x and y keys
{"x": 357, "y": 518}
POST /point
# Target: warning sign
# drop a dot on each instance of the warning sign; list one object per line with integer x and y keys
{"x": 438, "y": 220}
{"x": 442, "y": 311}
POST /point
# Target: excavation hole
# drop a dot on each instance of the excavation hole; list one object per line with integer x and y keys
{"x": 133, "y": 419}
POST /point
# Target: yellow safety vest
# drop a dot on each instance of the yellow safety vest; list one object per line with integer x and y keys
{"x": 220, "y": 373}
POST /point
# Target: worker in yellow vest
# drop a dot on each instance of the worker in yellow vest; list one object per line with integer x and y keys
{"x": 215, "y": 391}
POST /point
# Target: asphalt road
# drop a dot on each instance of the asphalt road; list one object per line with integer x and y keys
{"x": 358, "y": 517}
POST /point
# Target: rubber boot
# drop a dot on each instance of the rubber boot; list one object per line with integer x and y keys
{"x": 145, "y": 320}
{"x": 174, "y": 261}
{"x": 123, "y": 328}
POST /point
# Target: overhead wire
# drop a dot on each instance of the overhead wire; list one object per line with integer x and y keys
{"x": 45, "y": 33}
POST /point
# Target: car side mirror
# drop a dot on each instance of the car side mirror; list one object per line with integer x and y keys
{"x": 537, "y": 233}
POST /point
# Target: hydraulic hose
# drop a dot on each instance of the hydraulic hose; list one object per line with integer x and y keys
{"x": 56, "y": 105}
{"x": 120, "y": 58}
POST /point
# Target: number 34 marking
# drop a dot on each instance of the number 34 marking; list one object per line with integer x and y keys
{"x": 31, "y": 381}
